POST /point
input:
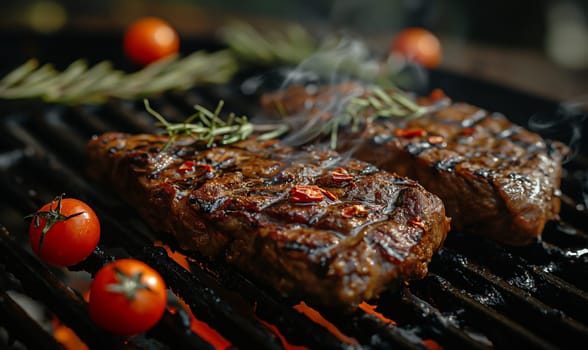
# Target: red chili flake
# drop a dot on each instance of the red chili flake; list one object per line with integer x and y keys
{"x": 207, "y": 167}
{"x": 328, "y": 194}
{"x": 306, "y": 194}
{"x": 189, "y": 166}
{"x": 467, "y": 131}
{"x": 417, "y": 222}
{"x": 437, "y": 94}
{"x": 354, "y": 210}
{"x": 340, "y": 174}
{"x": 309, "y": 194}
{"x": 436, "y": 139}
{"x": 410, "y": 132}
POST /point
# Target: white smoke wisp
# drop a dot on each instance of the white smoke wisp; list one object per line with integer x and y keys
{"x": 337, "y": 61}
{"x": 566, "y": 124}
{"x": 346, "y": 66}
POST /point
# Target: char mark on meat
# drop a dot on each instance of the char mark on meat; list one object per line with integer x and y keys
{"x": 309, "y": 223}
{"x": 495, "y": 178}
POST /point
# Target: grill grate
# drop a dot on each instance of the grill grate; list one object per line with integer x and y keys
{"x": 478, "y": 295}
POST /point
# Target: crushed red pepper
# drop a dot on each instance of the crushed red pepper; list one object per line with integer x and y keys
{"x": 207, "y": 167}
{"x": 329, "y": 195}
{"x": 187, "y": 166}
{"x": 437, "y": 94}
{"x": 436, "y": 139}
{"x": 340, "y": 175}
{"x": 467, "y": 131}
{"x": 356, "y": 210}
{"x": 342, "y": 178}
{"x": 410, "y": 132}
{"x": 417, "y": 222}
{"x": 190, "y": 165}
{"x": 309, "y": 194}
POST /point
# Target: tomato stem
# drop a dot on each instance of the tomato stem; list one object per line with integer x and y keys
{"x": 127, "y": 285}
{"x": 52, "y": 216}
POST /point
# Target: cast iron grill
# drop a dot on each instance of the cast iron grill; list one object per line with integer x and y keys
{"x": 478, "y": 294}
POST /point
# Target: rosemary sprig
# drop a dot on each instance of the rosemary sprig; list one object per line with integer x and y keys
{"x": 208, "y": 126}
{"x": 377, "y": 104}
{"x": 288, "y": 46}
{"x": 80, "y": 83}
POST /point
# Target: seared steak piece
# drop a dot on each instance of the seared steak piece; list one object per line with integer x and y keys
{"x": 310, "y": 223}
{"x": 495, "y": 178}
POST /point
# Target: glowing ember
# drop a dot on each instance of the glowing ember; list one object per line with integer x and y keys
{"x": 317, "y": 318}
{"x": 204, "y": 331}
{"x": 432, "y": 345}
{"x": 176, "y": 256}
{"x": 67, "y": 337}
{"x": 371, "y": 309}
{"x": 285, "y": 344}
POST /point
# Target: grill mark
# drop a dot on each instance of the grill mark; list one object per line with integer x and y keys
{"x": 207, "y": 206}
{"x": 485, "y": 173}
{"x": 447, "y": 164}
{"x": 381, "y": 139}
{"x": 507, "y": 133}
{"x": 517, "y": 176}
{"x": 369, "y": 170}
{"x": 474, "y": 118}
{"x": 416, "y": 148}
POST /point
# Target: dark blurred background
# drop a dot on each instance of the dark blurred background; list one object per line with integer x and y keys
{"x": 538, "y": 46}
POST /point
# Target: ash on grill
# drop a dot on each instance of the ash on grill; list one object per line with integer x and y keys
{"x": 477, "y": 295}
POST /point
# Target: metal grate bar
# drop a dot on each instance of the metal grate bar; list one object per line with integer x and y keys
{"x": 426, "y": 315}
{"x": 42, "y": 284}
{"x": 503, "y": 332}
{"x": 556, "y": 260}
{"x": 540, "y": 291}
{"x": 22, "y": 327}
{"x": 293, "y": 325}
{"x": 241, "y": 329}
{"x": 514, "y": 303}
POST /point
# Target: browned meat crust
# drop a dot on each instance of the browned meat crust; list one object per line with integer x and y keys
{"x": 495, "y": 178}
{"x": 368, "y": 229}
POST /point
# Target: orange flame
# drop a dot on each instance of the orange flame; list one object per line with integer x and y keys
{"x": 432, "y": 345}
{"x": 371, "y": 309}
{"x": 176, "y": 256}
{"x": 316, "y": 317}
{"x": 285, "y": 344}
{"x": 204, "y": 331}
{"x": 67, "y": 337}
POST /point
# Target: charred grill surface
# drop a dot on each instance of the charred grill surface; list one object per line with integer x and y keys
{"x": 495, "y": 178}
{"x": 365, "y": 229}
{"x": 476, "y": 295}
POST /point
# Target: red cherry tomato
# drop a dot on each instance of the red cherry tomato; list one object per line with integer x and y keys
{"x": 127, "y": 297}
{"x": 418, "y": 45}
{"x": 64, "y": 232}
{"x": 149, "y": 39}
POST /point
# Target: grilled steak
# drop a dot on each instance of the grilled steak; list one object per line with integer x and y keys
{"x": 310, "y": 223}
{"x": 496, "y": 178}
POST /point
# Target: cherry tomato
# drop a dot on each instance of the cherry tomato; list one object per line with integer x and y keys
{"x": 418, "y": 45}
{"x": 149, "y": 39}
{"x": 64, "y": 232}
{"x": 127, "y": 297}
